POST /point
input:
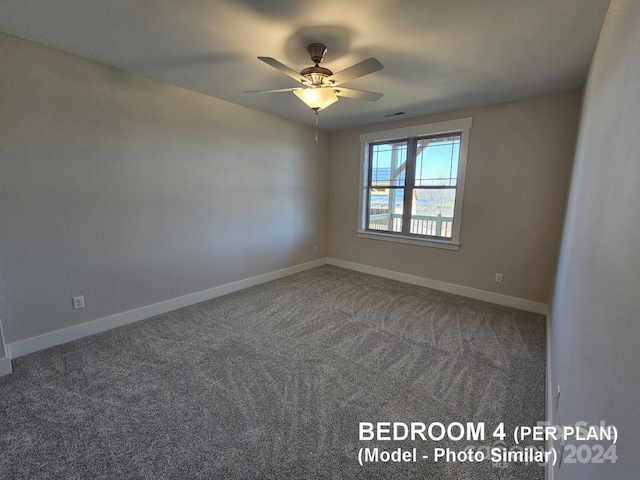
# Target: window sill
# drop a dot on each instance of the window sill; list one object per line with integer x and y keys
{"x": 422, "y": 242}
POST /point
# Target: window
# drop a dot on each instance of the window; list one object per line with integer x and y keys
{"x": 413, "y": 183}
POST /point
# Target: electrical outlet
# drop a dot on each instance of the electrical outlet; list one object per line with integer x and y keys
{"x": 498, "y": 278}
{"x": 78, "y": 302}
{"x": 315, "y": 249}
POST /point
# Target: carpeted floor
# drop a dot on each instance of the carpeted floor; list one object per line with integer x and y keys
{"x": 271, "y": 383}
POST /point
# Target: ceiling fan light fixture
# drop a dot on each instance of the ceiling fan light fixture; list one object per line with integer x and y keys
{"x": 321, "y": 86}
{"x": 316, "y": 98}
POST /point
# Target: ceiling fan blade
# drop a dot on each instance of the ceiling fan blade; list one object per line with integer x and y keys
{"x": 358, "y": 94}
{"x": 361, "y": 69}
{"x": 274, "y": 91}
{"x": 283, "y": 68}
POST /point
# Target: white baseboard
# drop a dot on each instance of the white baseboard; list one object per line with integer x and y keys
{"x": 58, "y": 337}
{"x": 5, "y": 366}
{"x": 497, "y": 298}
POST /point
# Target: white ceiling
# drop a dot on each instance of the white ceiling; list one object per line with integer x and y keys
{"x": 438, "y": 55}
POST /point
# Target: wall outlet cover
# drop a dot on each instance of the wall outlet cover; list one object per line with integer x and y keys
{"x": 78, "y": 302}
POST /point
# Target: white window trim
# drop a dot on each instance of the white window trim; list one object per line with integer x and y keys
{"x": 462, "y": 126}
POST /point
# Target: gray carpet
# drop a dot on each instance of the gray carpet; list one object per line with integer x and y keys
{"x": 271, "y": 382}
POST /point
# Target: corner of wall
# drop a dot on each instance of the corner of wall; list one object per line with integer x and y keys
{"x": 5, "y": 366}
{"x": 5, "y": 360}
{"x": 549, "y": 417}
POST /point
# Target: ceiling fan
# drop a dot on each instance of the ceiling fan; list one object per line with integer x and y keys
{"x": 320, "y": 87}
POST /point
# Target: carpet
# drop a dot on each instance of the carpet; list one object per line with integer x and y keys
{"x": 272, "y": 382}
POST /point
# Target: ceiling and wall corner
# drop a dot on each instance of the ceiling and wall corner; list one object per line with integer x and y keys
{"x": 438, "y": 55}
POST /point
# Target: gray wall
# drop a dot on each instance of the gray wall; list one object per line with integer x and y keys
{"x": 596, "y": 307}
{"x": 131, "y": 192}
{"x": 519, "y": 166}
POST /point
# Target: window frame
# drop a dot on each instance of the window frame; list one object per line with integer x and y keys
{"x": 458, "y": 126}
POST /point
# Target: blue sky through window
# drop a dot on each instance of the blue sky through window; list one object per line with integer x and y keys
{"x": 436, "y": 163}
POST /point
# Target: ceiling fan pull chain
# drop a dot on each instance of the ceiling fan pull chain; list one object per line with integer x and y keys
{"x": 316, "y": 126}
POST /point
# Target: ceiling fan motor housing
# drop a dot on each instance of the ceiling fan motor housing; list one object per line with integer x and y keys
{"x": 316, "y": 74}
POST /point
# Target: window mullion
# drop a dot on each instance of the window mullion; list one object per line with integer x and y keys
{"x": 368, "y": 188}
{"x": 409, "y": 180}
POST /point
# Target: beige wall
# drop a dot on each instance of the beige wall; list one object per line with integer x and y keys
{"x": 519, "y": 164}
{"x": 132, "y": 192}
{"x": 595, "y": 319}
